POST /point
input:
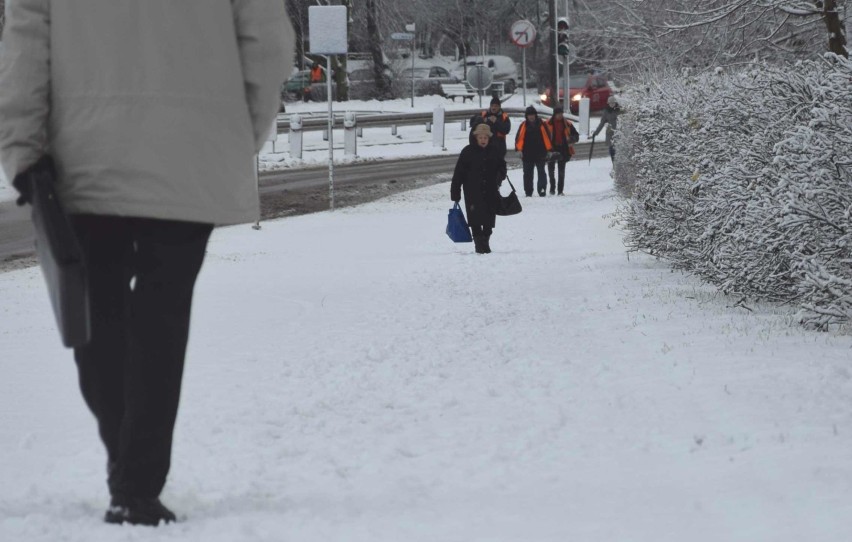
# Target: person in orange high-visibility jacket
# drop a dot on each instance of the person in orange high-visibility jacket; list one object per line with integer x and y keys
{"x": 316, "y": 73}
{"x": 534, "y": 143}
{"x": 564, "y": 136}
{"x": 497, "y": 120}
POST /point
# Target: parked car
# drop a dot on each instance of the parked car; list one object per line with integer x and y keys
{"x": 297, "y": 86}
{"x": 503, "y": 68}
{"x": 592, "y": 86}
{"x": 426, "y": 80}
{"x": 362, "y": 84}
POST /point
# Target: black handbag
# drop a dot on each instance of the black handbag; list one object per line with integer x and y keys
{"x": 509, "y": 205}
{"x": 59, "y": 253}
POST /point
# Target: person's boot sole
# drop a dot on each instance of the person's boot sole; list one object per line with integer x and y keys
{"x": 151, "y": 514}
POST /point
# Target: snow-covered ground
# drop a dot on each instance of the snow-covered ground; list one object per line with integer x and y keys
{"x": 355, "y": 376}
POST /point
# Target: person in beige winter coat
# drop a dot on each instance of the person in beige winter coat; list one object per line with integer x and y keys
{"x": 153, "y": 112}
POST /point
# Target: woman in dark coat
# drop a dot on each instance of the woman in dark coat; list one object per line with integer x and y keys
{"x": 480, "y": 170}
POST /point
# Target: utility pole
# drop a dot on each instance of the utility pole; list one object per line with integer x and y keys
{"x": 554, "y": 96}
{"x": 563, "y": 48}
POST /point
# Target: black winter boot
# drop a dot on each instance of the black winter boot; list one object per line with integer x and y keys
{"x": 138, "y": 511}
{"x": 479, "y": 244}
{"x": 486, "y": 248}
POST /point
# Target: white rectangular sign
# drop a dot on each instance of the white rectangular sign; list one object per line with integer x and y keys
{"x": 327, "y": 30}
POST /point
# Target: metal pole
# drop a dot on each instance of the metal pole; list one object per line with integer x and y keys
{"x": 257, "y": 186}
{"x": 330, "y": 137}
{"x": 566, "y": 102}
{"x": 412, "y": 71}
{"x": 524, "y": 74}
{"x": 554, "y": 98}
{"x": 482, "y": 53}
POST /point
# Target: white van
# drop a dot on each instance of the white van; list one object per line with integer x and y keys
{"x": 503, "y": 67}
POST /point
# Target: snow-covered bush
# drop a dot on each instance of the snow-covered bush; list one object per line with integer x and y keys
{"x": 745, "y": 179}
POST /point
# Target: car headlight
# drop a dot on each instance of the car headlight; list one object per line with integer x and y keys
{"x": 543, "y": 97}
{"x": 577, "y": 97}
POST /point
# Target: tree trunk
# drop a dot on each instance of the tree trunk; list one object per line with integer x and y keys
{"x": 338, "y": 69}
{"x": 297, "y": 19}
{"x": 382, "y": 84}
{"x": 338, "y": 62}
{"x": 836, "y": 39}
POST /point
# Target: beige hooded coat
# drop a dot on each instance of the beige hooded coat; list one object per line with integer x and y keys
{"x": 151, "y": 108}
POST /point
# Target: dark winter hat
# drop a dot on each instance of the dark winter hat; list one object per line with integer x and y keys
{"x": 495, "y": 100}
{"x": 531, "y": 111}
{"x": 558, "y": 109}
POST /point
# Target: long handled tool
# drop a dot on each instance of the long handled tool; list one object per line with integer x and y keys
{"x": 591, "y": 149}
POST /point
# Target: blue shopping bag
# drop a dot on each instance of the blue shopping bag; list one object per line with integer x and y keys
{"x": 457, "y": 226}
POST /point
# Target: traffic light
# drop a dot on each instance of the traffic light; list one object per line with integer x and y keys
{"x": 562, "y": 36}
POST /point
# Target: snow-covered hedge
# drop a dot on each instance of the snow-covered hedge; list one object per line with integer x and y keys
{"x": 745, "y": 179}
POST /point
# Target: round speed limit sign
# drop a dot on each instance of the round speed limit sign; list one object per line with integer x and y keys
{"x": 522, "y": 33}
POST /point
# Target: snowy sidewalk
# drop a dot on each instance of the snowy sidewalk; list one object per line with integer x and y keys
{"x": 354, "y": 376}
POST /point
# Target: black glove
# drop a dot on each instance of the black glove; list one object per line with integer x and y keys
{"x": 23, "y": 181}
{"x": 24, "y": 192}
{"x": 24, "y": 187}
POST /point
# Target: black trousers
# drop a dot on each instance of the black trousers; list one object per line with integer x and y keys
{"x": 552, "y": 165}
{"x": 141, "y": 277}
{"x": 480, "y": 231}
{"x": 531, "y": 167}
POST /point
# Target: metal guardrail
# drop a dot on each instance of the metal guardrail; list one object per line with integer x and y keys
{"x": 320, "y": 121}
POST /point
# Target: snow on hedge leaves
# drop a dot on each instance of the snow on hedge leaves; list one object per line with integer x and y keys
{"x": 745, "y": 179}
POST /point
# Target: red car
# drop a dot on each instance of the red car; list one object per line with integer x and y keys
{"x": 594, "y": 87}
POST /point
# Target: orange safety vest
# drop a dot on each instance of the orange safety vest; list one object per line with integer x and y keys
{"x": 505, "y": 118}
{"x": 519, "y": 139}
{"x": 316, "y": 74}
{"x": 566, "y": 135}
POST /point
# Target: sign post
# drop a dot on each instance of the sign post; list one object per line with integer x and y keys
{"x": 522, "y": 34}
{"x": 410, "y": 28}
{"x": 408, "y": 36}
{"x": 327, "y": 28}
{"x": 480, "y": 79}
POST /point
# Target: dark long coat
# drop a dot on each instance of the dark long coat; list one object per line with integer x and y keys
{"x": 479, "y": 172}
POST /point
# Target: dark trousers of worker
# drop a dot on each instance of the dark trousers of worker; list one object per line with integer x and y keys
{"x": 551, "y": 169}
{"x": 141, "y": 277}
{"x": 529, "y": 167}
